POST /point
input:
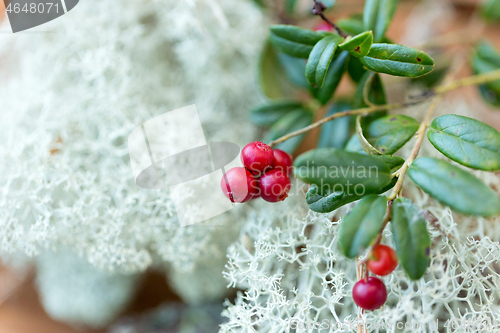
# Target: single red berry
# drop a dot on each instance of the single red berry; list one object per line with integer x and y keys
{"x": 369, "y": 295}
{"x": 239, "y": 185}
{"x": 282, "y": 161}
{"x": 274, "y": 185}
{"x": 323, "y": 26}
{"x": 384, "y": 260}
{"x": 257, "y": 157}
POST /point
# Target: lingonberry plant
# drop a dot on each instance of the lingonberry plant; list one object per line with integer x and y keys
{"x": 358, "y": 163}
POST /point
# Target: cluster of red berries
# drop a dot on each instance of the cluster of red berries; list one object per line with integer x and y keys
{"x": 370, "y": 293}
{"x": 265, "y": 174}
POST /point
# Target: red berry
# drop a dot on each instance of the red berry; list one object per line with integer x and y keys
{"x": 369, "y": 295}
{"x": 323, "y": 26}
{"x": 282, "y": 161}
{"x": 257, "y": 157}
{"x": 239, "y": 185}
{"x": 274, "y": 185}
{"x": 384, "y": 260}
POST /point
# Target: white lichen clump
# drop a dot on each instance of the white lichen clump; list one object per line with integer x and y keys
{"x": 71, "y": 94}
{"x": 294, "y": 276}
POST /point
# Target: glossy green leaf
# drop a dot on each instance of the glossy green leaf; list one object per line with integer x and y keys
{"x": 377, "y": 16}
{"x": 361, "y": 225}
{"x": 292, "y": 121}
{"x": 491, "y": 10}
{"x": 466, "y": 141}
{"x": 454, "y": 187}
{"x": 389, "y": 133}
{"x": 295, "y": 41}
{"x": 392, "y": 161}
{"x": 359, "y": 45}
{"x": 320, "y": 58}
{"x": 355, "y": 69}
{"x": 411, "y": 239}
{"x": 370, "y": 85}
{"x": 335, "y": 133}
{"x": 338, "y": 170}
{"x": 332, "y": 79}
{"x": 365, "y": 144}
{"x": 327, "y": 201}
{"x": 486, "y": 59}
{"x": 398, "y": 60}
{"x": 268, "y": 114}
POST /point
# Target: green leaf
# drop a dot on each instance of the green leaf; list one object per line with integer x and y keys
{"x": 328, "y": 201}
{"x": 365, "y": 144}
{"x": 389, "y": 133}
{"x": 295, "y": 41}
{"x": 454, "y": 187}
{"x": 486, "y": 59}
{"x": 355, "y": 69}
{"x": 411, "y": 239}
{"x": 361, "y": 225}
{"x": 393, "y": 162}
{"x": 377, "y": 16}
{"x": 335, "y": 133}
{"x": 268, "y": 114}
{"x": 332, "y": 79}
{"x": 398, "y": 60}
{"x": 491, "y": 10}
{"x": 353, "y": 25}
{"x": 338, "y": 170}
{"x": 290, "y": 6}
{"x": 376, "y": 91}
{"x": 292, "y": 121}
{"x": 466, "y": 141}
{"x": 359, "y": 45}
{"x": 272, "y": 76}
{"x": 370, "y": 88}
{"x": 432, "y": 79}
{"x": 294, "y": 69}
{"x": 320, "y": 58}
{"x": 353, "y": 145}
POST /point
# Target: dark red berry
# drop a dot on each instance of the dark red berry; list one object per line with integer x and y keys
{"x": 383, "y": 261}
{"x": 274, "y": 185}
{"x": 369, "y": 295}
{"x": 239, "y": 185}
{"x": 257, "y": 157}
{"x": 282, "y": 161}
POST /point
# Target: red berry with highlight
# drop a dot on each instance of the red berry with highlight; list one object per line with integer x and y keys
{"x": 274, "y": 185}
{"x": 384, "y": 260}
{"x": 239, "y": 185}
{"x": 369, "y": 295}
{"x": 282, "y": 161}
{"x": 257, "y": 157}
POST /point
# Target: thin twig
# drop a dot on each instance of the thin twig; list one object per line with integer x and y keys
{"x": 414, "y": 152}
{"x": 468, "y": 81}
{"x": 320, "y": 122}
{"x": 318, "y": 9}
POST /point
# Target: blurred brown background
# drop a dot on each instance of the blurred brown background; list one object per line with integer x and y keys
{"x": 20, "y": 309}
